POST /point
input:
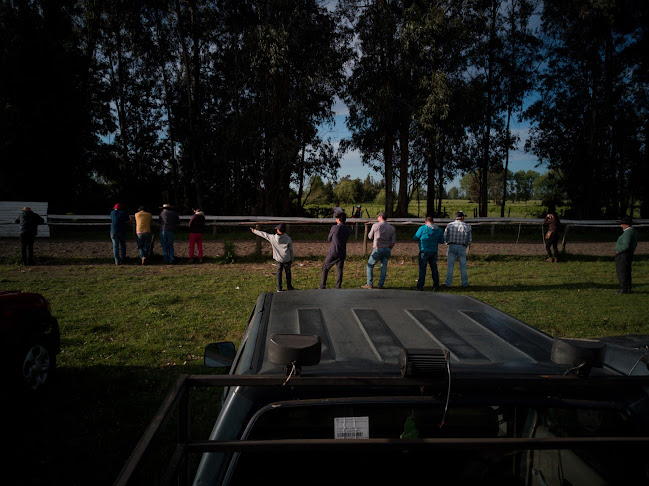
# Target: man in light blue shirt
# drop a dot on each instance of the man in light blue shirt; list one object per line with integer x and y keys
{"x": 458, "y": 239}
{"x": 429, "y": 236}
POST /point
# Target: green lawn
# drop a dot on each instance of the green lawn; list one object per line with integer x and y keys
{"x": 527, "y": 209}
{"x": 128, "y": 332}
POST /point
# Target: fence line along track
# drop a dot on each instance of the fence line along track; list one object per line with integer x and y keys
{"x": 88, "y": 220}
{"x": 216, "y": 221}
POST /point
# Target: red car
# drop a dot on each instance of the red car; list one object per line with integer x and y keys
{"x": 29, "y": 339}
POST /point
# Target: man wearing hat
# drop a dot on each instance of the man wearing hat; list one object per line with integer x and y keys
{"x": 119, "y": 218}
{"x": 338, "y": 236}
{"x": 143, "y": 221}
{"x": 624, "y": 249}
{"x": 458, "y": 238}
{"x": 282, "y": 252}
{"x": 196, "y": 228}
{"x": 168, "y": 220}
{"x": 29, "y": 222}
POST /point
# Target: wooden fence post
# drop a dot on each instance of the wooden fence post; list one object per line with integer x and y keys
{"x": 365, "y": 240}
{"x": 563, "y": 242}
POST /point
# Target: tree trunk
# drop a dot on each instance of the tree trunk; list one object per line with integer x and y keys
{"x": 387, "y": 158}
{"x": 507, "y": 143}
{"x": 484, "y": 169}
{"x": 430, "y": 181}
{"x": 402, "y": 202}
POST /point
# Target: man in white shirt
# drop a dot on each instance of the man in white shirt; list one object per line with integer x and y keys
{"x": 384, "y": 237}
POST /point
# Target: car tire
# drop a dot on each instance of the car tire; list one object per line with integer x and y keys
{"x": 36, "y": 363}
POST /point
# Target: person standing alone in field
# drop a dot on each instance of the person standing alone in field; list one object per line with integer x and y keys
{"x": 552, "y": 237}
{"x": 624, "y": 250}
{"x": 143, "y": 231}
{"x": 338, "y": 236}
{"x": 458, "y": 238}
{"x": 430, "y": 236}
{"x": 282, "y": 246}
{"x": 196, "y": 228}
{"x": 384, "y": 238}
{"x": 29, "y": 222}
{"x": 119, "y": 219}
{"x": 168, "y": 221}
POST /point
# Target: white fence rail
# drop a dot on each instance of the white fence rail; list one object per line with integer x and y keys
{"x": 10, "y": 210}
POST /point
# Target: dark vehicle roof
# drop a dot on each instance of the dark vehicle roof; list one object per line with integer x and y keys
{"x": 363, "y": 332}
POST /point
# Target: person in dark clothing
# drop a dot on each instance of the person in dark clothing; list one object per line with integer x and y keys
{"x": 168, "y": 220}
{"x": 552, "y": 237}
{"x": 196, "y": 228}
{"x": 119, "y": 219}
{"x": 338, "y": 236}
{"x": 29, "y": 222}
{"x": 624, "y": 250}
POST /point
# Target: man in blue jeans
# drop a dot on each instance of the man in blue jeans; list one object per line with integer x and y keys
{"x": 119, "y": 218}
{"x": 429, "y": 236}
{"x": 168, "y": 221}
{"x": 384, "y": 237}
{"x": 458, "y": 239}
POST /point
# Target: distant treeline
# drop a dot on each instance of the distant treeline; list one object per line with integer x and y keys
{"x": 221, "y": 104}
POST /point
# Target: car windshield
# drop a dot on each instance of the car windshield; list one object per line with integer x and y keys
{"x": 403, "y": 420}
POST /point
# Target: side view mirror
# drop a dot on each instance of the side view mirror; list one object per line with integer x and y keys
{"x": 219, "y": 355}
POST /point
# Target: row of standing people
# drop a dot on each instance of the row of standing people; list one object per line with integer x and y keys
{"x": 457, "y": 236}
{"x": 383, "y": 235}
{"x": 168, "y": 221}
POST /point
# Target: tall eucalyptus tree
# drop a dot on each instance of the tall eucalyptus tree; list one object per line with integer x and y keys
{"x": 586, "y": 118}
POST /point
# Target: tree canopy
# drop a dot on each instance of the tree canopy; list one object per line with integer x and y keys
{"x": 221, "y": 104}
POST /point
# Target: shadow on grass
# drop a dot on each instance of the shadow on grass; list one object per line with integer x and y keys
{"x": 133, "y": 261}
{"x": 508, "y": 288}
{"x": 84, "y": 427}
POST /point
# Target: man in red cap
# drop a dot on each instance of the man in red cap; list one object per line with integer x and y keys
{"x": 119, "y": 219}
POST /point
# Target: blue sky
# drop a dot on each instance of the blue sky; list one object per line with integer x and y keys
{"x": 351, "y": 163}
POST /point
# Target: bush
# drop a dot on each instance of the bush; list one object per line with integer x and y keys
{"x": 229, "y": 252}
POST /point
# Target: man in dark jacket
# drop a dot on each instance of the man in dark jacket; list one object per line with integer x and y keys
{"x": 338, "y": 235}
{"x": 29, "y": 222}
{"x": 168, "y": 221}
{"x": 624, "y": 250}
{"x": 119, "y": 218}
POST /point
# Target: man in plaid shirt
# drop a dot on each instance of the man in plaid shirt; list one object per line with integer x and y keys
{"x": 458, "y": 238}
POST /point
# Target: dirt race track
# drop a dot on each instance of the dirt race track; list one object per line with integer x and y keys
{"x": 65, "y": 248}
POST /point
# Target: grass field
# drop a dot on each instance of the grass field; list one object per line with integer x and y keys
{"x": 527, "y": 209}
{"x": 129, "y": 331}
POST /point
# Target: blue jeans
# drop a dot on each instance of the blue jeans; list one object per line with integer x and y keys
{"x": 119, "y": 243}
{"x": 378, "y": 255}
{"x": 144, "y": 244}
{"x": 459, "y": 252}
{"x": 167, "y": 242}
{"x": 287, "y": 269}
{"x": 427, "y": 258}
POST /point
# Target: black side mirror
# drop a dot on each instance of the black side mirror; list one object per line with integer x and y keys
{"x": 219, "y": 355}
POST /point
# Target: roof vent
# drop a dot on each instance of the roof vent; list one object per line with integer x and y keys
{"x": 423, "y": 362}
{"x": 580, "y": 354}
{"x": 294, "y": 350}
